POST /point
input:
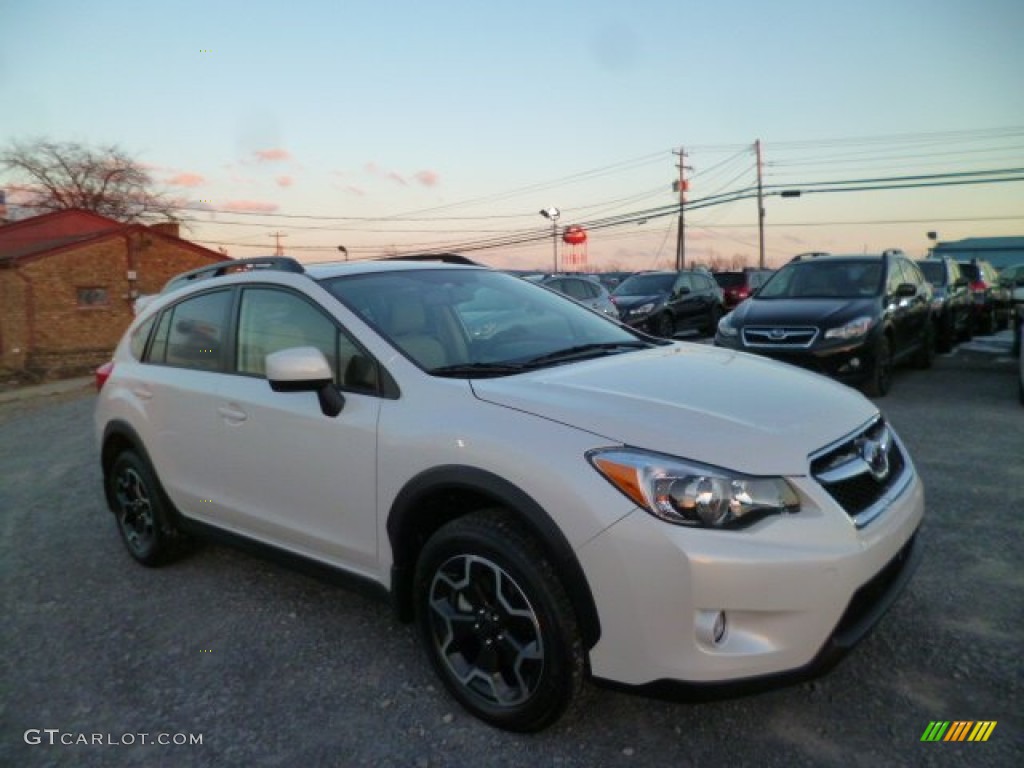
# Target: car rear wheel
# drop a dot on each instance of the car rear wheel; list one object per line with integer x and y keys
{"x": 926, "y": 353}
{"x": 497, "y": 622}
{"x": 716, "y": 315}
{"x": 881, "y": 374}
{"x": 945, "y": 334}
{"x": 142, "y": 511}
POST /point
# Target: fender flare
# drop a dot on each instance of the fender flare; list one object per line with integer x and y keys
{"x": 402, "y": 529}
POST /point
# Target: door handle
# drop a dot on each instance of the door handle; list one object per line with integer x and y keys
{"x": 142, "y": 393}
{"x": 232, "y": 414}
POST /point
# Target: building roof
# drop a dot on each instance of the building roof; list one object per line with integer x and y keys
{"x": 49, "y": 233}
{"x": 998, "y": 251}
{"x": 983, "y": 244}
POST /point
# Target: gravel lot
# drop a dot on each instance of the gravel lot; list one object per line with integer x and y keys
{"x": 272, "y": 667}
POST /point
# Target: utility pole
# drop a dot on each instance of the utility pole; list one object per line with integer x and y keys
{"x": 760, "y": 205}
{"x": 278, "y": 250}
{"x": 681, "y": 186}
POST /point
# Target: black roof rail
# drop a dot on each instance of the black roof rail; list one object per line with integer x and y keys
{"x": 809, "y": 255}
{"x": 893, "y": 252}
{"x": 276, "y": 263}
{"x": 447, "y": 258}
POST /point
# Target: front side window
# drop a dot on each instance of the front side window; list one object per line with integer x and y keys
{"x": 270, "y": 320}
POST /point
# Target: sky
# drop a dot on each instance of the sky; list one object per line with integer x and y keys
{"x": 395, "y": 127}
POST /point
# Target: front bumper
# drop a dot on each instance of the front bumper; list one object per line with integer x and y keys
{"x": 849, "y": 362}
{"x": 797, "y": 593}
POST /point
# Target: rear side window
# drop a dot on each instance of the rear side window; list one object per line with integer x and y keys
{"x": 195, "y": 332}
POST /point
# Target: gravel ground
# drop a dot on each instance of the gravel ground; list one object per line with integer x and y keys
{"x": 271, "y": 667}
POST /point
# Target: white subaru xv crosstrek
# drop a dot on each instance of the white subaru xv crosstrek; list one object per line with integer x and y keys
{"x": 549, "y": 494}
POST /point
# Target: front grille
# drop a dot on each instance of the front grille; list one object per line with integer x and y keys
{"x": 780, "y": 337}
{"x": 861, "y": 471}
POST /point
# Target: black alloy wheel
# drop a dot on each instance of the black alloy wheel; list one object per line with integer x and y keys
{"x": 142, "y": 511}
{"x": 497, "y": 623}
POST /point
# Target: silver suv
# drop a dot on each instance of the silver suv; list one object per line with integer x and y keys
{"x": 547, "y": 493}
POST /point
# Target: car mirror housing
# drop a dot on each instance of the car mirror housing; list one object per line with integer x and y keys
{"x": 305, "y": 369}
{"x": 906, "y": 290}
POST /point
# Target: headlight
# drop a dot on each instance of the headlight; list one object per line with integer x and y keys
{"x": 687, "y": 493}
{"x": 725, "y": 326}
{"x": 643, "y": 309}
{"x": 852, "y": 330}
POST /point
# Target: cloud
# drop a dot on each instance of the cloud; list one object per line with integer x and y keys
{"x": 284, "y": 181}
{"x": 357, "y": 191}
{"x": 428, "y": 178}
{"x": 249, "y": 206}
{"x": 272, "y": 155}
{"x": 375, "y": 170}
{"x": 187, "y": 180}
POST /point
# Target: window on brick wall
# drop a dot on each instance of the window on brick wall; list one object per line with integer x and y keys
{"x": 93, "y": 297}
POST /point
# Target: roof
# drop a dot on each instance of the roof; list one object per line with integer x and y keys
{"x": 983, "y": 244}
{"x": 44, "y": 235}
{"x": 998, "y": 251}
{"x": 52, "y": 230}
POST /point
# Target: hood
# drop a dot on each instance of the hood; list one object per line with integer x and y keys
{"x": 825, "y": 313}
{"x": 717, "y": 406}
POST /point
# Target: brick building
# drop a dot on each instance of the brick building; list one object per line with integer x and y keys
{"x": 67, "y": 283}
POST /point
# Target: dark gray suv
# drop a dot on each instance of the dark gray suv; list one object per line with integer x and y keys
{"x": 665, "y": 303}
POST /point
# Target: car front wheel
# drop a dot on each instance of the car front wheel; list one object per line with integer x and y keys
{"x": 497, "y": 623}
{"x": 880, "y": 380}
{"x": 665, "y": 326}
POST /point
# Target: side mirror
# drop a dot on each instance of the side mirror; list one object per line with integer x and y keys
{"x": 305, "y": 369}
{"x": 906, "y": 290}
{"x": 682, "y": 290}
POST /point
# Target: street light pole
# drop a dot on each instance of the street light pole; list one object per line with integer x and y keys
{"x": 344, "y": 250}
{"x": 553, "y": 214}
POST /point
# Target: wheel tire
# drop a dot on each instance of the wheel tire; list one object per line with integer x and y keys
{"x": 881, "y": 375}
{"x": 497, "y": 622}
{"x": 926, "y": 353}
{"x": 968, "y": 332}
{"x": 142, "y": 511}
{"x": 665, "y": 326}
{"x": 945, "y": 335}
{"x": 988, "y": 323}
{"x": 716, "y": 315}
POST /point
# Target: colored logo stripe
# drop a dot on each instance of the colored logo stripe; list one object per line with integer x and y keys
{"x": 982, "y": 731}
{"x": 958, "y": 730}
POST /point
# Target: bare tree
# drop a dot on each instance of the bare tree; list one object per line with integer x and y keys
{"x": 55, "y": 176}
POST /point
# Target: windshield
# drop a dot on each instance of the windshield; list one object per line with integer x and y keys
{"x": 730, "y": 279}
{"x": 475, "y": 322}
{"x": 847, "y": 279}
{"x": 646, "y": 285}
{"x": 934, "y": 271}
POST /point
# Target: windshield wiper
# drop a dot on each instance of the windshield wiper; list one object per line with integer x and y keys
{"x": 584, "y": 351}
{"x": 478, "y": 370}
